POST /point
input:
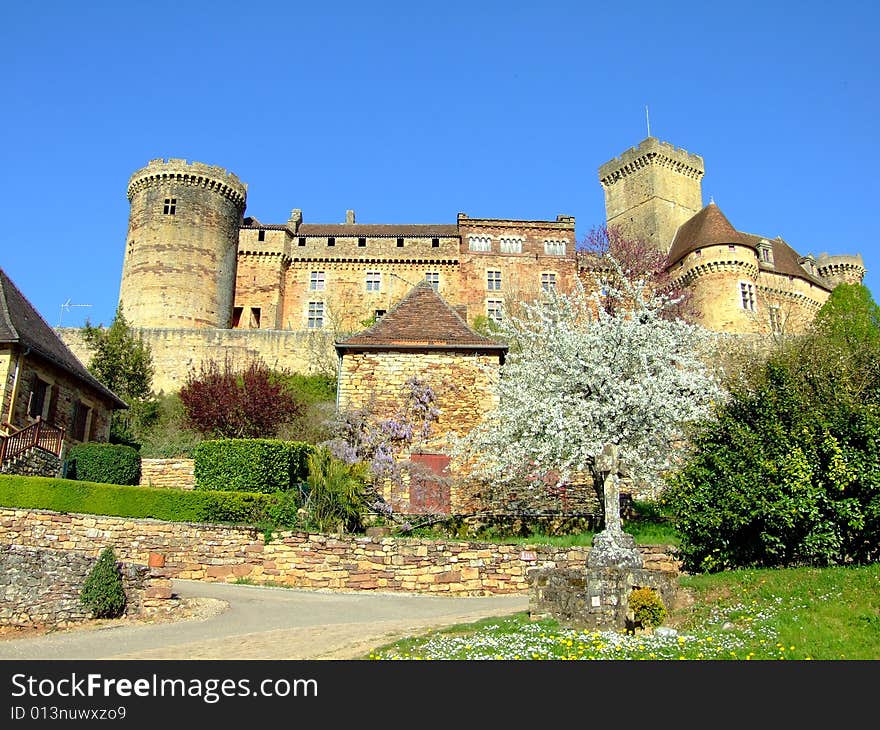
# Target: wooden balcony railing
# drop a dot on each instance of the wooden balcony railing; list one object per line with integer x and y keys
{"x": 38, "y": 435}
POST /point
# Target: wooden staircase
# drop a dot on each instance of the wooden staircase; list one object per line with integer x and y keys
{"x": 39, "y": 435}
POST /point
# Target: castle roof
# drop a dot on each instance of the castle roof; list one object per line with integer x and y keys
{"x": 709, "y": 227}
{"x": 785, "y": 259}
{"x": 21, "y": 324}
{"x": 377, "y": 229}
{"x": 421, "y": 320}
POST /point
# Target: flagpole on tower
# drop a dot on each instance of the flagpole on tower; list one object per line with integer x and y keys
{"x": 647, "y": 120}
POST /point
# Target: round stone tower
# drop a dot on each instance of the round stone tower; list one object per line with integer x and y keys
{"x": 180, "y": 252}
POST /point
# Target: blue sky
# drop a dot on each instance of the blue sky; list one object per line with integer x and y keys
{"x": 412, "y": 112}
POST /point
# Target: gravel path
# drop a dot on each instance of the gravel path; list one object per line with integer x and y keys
{"x": 250, "y": 622}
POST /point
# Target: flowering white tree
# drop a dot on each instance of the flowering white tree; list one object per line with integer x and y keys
{"x": 578, "y": 378}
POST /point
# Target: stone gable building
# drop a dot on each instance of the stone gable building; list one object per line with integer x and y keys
{"x": 422, "y": 337}
{"x": 202, "y": 280}
{"x": 43, "y": 382}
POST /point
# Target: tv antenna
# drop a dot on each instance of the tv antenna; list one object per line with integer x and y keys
{"x": 68, "y": 306}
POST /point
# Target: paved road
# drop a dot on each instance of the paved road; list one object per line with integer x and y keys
{"x": 269, "y": 623}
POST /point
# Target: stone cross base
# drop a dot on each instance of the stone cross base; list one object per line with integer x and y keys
{"x": 614, "y": 549}
{"x": 593, "y": 599}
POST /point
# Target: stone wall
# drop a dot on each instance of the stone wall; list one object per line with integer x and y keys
{"x": 41, "y": 586}
{"x": 303, "y": 560}
{"x": 176, "y": 352}
{"x": 34, "y": 463}
{"x": 168, "y": 473}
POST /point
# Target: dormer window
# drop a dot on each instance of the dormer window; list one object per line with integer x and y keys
{"x": 765, "y": 252}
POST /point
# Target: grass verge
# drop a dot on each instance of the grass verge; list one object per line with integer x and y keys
{"x": 770, "y": 614}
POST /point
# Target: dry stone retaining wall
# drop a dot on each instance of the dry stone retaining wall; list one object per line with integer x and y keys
{"x": 303, "y": 560}
{"x": 41, "y": 587}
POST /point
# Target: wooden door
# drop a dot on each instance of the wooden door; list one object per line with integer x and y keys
{"x": 429, "y": 488}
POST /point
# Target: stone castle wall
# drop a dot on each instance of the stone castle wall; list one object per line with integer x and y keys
{"x": 225, "y": 554}
{"x": 178, "y": 351}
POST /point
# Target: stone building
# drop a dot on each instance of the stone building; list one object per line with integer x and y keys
{"x": 422, "y": 337}
{"x": 202, "y": 280}
{"x": 42, "y": 380}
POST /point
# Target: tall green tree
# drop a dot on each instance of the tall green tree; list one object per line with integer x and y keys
{"x": 789, "y": 472}
{"x": 122, "y": 361}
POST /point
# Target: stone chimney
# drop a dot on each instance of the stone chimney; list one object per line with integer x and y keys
{"x": 296, "y": 217}
{"x": 349, "y": 217}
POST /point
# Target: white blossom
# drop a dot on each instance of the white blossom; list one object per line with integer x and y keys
{"x": 578, "y": 377}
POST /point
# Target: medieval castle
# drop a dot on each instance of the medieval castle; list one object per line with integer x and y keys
{"x": 200, "y": 279}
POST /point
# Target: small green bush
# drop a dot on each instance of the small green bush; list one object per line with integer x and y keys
{"x": 172, "y": 505}
{"x": 647, "y": 607}
{"x": 336, "y": 492}
{"x": 104, "y": 463}
{"x": 103, "y": 593}
{"x": 251, "y": 465}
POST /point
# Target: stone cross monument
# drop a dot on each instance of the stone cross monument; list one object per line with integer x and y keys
{"x": 612, "y": 548}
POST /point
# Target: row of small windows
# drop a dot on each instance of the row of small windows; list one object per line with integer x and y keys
{"x": 362, "y": 241}
{"x": 507, "y": 244}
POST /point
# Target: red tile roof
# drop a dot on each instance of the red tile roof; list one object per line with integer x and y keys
{"x": 421, "y": 320}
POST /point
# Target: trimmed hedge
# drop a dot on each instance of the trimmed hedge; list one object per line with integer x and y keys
{"x": 104, "y": 463}
{"x": 251, "y": 465}
{"x": 173, "y": 505}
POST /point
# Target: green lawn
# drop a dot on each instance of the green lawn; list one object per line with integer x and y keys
{"x": 788, "y": 614}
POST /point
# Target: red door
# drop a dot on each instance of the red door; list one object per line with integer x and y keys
{"x": 429, "y": 487}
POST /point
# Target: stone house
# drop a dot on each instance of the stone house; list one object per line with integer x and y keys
{"x": 42, "y": 381}
{"x": 424, "y": 337}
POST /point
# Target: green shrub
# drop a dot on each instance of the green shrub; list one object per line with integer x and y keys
{"x": 173, "y": 505}
{"x": 104, "y": 463}
{"x": 336, "y": 492}
{"x": 103, "y": 593}
{"x": 250, "y": 465}
{"x": 647, "y": 607}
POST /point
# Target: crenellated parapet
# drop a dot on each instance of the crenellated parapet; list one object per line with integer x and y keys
{"x": 651, "y": 151}
{"x": 197, "y": 174}
{"x": 742, "y": 268}
{"x": 841, "y": 269}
